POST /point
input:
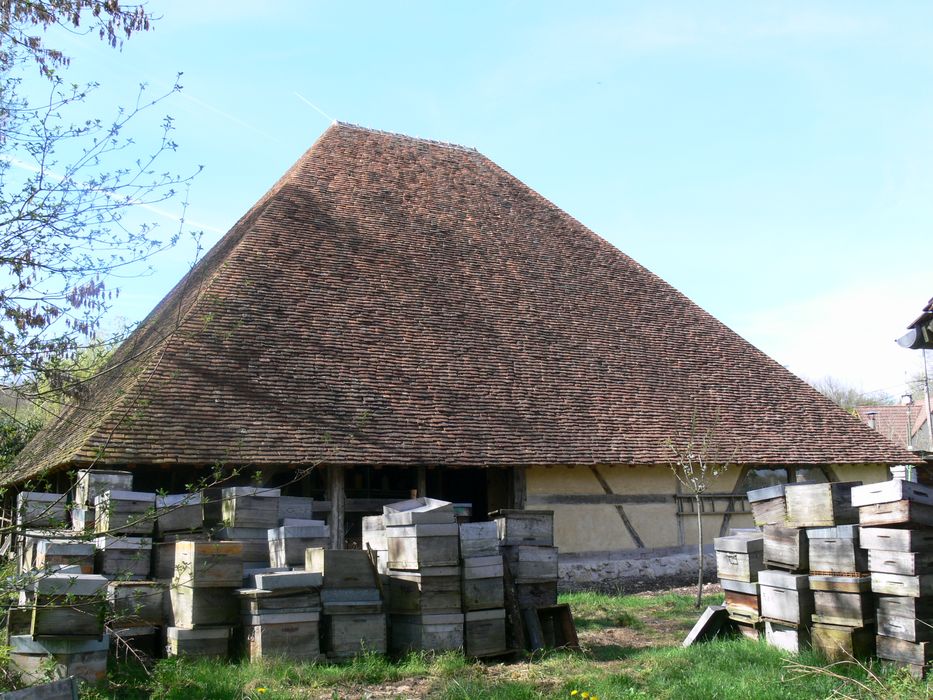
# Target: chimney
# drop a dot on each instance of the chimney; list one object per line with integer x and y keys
{"x": 871, "y": 419}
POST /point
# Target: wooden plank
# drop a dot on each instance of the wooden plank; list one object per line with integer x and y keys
{"x": 904, "y": 563}
{"x": 919, "y": 653}
{"x": 708, "y": 626}
{"x": 896, "y": 539}
{"x": 896, "y": 513}
{"x": 598, "y": 499}
{"x": 820, "y": 505}
{"x": 907, "y": 586}
{"x": 338, "y": 499}
{"x": 890, "y": 491}
{"x": 841, "y": 584}
{"x": 744, "y": 543}
{"x": 64, "y": 689}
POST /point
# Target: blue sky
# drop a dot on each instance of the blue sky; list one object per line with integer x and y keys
{"x": 773, "y": 161}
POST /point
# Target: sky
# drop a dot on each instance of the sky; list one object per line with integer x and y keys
{"x": 772, "y": 160}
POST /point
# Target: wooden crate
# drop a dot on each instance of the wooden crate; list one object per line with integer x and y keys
{"x": 484, "y": 633}
{"x": 896, "y": 539}
{"x": 65, "y": 616}
{"x": 739, "y": 558}
{"x": 478, "y": 540}
{"x": 41, "y": 510}
{"x": 841, "y": 584}
{"x": 250, "y": 506}
{"x": 917, "y": 653}
{"x": 83, "y": 519}
{"x": 896, "y": 513}
{"x": 349, "y": 635}
{"x": 298, "y": 507}
{"x": 836, "y": 550}
{"x": 424, "y": 591}
{"x": 135, "y": 603}
{"x": 903, "y": 563}
{"x": 35, "y": 659}
{"x": 846, "y": 609}
{"x": 342, "y": 568}
{"x": 256, "y": 602}
{"x": 909, "y": 629}
{"x": 528, "y": 564}
{"x": 209, "y": 564}
{"x": 287, "y": 545}
{"x": 741, "y": 599}
{"x": 413, "y": 553}
{"x": 792, "y": 638}
{"x": 785, "y": 548}
{"x": 898, "y": 606}
{"x": 293, "y": 636}
{"x": 51, "y": 554}
{"x": 194, "y": 607}
{"x": 136, "y": 642}
{"x": 820, "y": 505}
{"x": 91, "y": 483}
{"x": 785, "y": 597}
{"x": 428, "y": 632}
{"x": 525, "y": 527}
{"x": 125, "y": 513}
{"x": 374, "y": 533}
{"x": 536, "y": 595}
{"x": 908, "y": 586}
{"x": 749, "y": 630}
{"x": 200, "y": 642}
{"x": 840, "y": 643}
{"x": 178, "y": 513}
{"x": 482, "y": 593}
{"x": 768, "y": 505}
{"x": 418, "y": 511}
{"x": 891, "y": 491}
{"x": 127, "y": 558}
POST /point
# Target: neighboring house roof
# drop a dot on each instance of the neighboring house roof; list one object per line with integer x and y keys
{"x": 920, "y": 331}
{"x": 893, "y": 421}
{"x": 399, "y": 301}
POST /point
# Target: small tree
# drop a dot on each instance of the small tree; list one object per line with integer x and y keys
{"x": 694, "y": 464}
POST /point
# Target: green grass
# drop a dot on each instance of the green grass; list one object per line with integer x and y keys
{"x": 655, "y": 667}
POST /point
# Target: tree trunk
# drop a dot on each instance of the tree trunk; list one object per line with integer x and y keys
{"x": 699, "y": 552}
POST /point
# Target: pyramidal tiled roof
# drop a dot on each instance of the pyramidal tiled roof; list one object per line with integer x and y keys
{"x": 399, "y": 301}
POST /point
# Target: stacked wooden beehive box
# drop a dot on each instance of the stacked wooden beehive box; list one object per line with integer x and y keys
{"x": 248, "y": 513}
{"x": 896, "y": 529}
{"x": 526, "y": 538}
{"x": 482, "y": 591}
{"x": 423, "y": 544}
{"x": 354, "y": 619}
{"x": 296, "y": 532}
{"x": 374, "y": 540}
{"x": 280, "y": 615}
{"x": 89, "y": 484}
{"x": 135, "y": 615}
{"x": 739, "y": 559}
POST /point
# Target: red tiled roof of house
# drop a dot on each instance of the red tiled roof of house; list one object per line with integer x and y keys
{"x": 893, "y": 421}
{"x": 399, "y": 301}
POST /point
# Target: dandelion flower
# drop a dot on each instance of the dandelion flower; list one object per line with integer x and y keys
{"x": 261, "y": 690}
{"x": 574, "y": 692}
{"x": 584, "y": 695}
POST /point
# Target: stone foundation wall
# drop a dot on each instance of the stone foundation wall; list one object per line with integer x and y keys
{"x": 633, "y": 571}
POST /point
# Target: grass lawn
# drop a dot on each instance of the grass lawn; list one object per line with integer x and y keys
{"x": 631, "y": 649}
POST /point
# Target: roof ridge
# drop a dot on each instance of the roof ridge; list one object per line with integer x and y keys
{"x": 406, "y": 137}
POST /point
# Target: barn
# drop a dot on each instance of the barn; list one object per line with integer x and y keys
{"x": 399, "y": 315}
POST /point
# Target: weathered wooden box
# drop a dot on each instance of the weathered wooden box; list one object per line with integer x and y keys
{"x": 482, "y": 593}
{"x": 896, "y": 539}
{"x": 836, "y": 550}
{"x": 135, "y": 603}
{"x": 484, "y": 632}
{"x": 846, "y": 609}
{"x": 91, "y": 483}
{"x": 478, "y": 540}
{"x": 528, "y": 564}
{"x": 50, "y": 554}
{"x": 178, "y": 513}
{"x": 209, "y": 564}
{"x": 136, "y": 642}
{"x": 298, "y": 507}
{"x": 126, "y": 558}
{"x": 250, "y": 506}
{"x": 68, "y": 604}
{"x": 352, "y": 634}
{"x": 538, "y": 594}
{"x": 125, "y": 513}
{"x": 255, "y": 550}
{"x": 786, "y": 548}
{"x": 414, "y": 547}
{"x": 374, "y": 533}
{"x": 899, "y": 606}
{"x": 430, "y": 590}
{"x": 896, "y": 513}
{"x": 199, "y": 642}
{"x": 903, "y": 563}
{"x": 430, "y": 632}
{"x": 891, "y": 491}
{"x": 909, "y": 586}
{"x": 739, "y": 558}
{"x": 482, "y": 567}
{"x": 785, "y": 597}
{"x": 525, "y": 527}
{"x": 841, "y": 643}
{"x": 287, "y": 544}
{"x": 742, "y": 600}
{"x": 909, "y": 629}
{"x": 820, "y": 505}
{"x": 768, "y": 505}
{"x": 83, "y": 519}
{"x": 294, "y": 636}
{"x": 342, "y": 568}
{"x": 194, "y": 607}
{"x": 840, "y": 584}
{"x": 791, "y": 638}
{"x": 41, "y": 510}
{"x": 418, "y": 511}
{"x": 916, "y": 653}
{"x": 36, "y": 659}
{"x": 257, "y": 601}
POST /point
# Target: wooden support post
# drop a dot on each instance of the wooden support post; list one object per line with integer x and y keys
{"x": 519, "y": 488}
{"x": 338, "y": 505}
{"x": 422, "y": 481}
